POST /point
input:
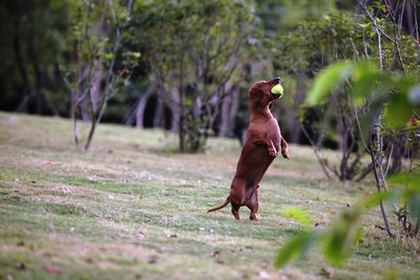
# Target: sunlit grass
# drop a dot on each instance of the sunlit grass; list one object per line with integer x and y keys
{"x": 133, "y": 208}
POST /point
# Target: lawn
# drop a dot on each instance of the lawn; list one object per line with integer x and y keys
{"x": 133, "y": 208}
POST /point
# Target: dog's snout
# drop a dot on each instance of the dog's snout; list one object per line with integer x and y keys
{"x": 276, "y": 80}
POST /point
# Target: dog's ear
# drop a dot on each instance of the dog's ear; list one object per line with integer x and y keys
{"x": 256, "y": 93}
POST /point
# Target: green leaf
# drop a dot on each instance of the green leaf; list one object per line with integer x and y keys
{"x": 368, "y": 83}
{"x": 398, "y": 111}
{"x": 409, "y": 180}
{"x": 403, "y": 102}
{"x": 368, "y": 118}
{"x": 337, "y": 240}
{"x": 136, "y": 54}
{"x": 341, "y": 236}
{"x": 328, "y": 80}
{"x": 363, "y": 87}
{"x": 297, "y": 214}
{"x": 294, "y": 248}
{"x": 365, "y": 25}
{"x": 411, "y": 193}
{"x": 414, "y": 206}
{"x": 108, "y": 56}
{"x": 363, "y": 68}
{"x": 373, "y": 199}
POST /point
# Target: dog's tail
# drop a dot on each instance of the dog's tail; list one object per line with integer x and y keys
{"x": 220, "y": 206}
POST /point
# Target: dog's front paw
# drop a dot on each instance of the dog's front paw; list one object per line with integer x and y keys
{"x": 285, "y": 154}
{"x": 272, "y": 152}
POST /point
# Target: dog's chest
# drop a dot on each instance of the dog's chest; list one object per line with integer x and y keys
{"x": 265, "y": 129}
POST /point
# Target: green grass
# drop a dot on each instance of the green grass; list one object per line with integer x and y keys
{"x": 132, "y": 208}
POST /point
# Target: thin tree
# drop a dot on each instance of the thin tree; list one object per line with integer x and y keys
{"x": 95, "y": 79}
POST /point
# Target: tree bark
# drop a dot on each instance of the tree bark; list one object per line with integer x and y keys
{"x": 141, "y": 105}
{"x": 229, "y": 110}
{"x": 376, "y": 157}
{"x": 224, "y": 116}
{"x": 35, "y": 64}
{"x": 376, "y": 147}
{"x": 181, "y": 129}
{"x": 159, "y": 111}
{"x": 236, "y": 92}
{"x": 176, "y": 114}
{"x": 97, "y": 95}
{"x": 26, "y": 91}
{"x": 292, "y": 123}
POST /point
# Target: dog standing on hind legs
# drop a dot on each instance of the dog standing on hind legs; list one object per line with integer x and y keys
{"x": 262, "y": 145}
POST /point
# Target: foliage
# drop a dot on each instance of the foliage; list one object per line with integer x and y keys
{"x": 297, "y": 214}
{"x": 317, "y": 42}
{"x": 338, "y": 239}
{"x": 94, "y": 76}
{"x": 196, "y": 52}
{"x": 383, "y": 89}
{"x": 395, "y": 92}
{"x": 409, "y": 214}
{"x": 336, "y": 37}
{"x": 223, "y": 46}
{"x": 34, "y": 34}
{"x": 286, "y": 15}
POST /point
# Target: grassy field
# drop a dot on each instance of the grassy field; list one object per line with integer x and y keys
{"x": 131, "y": 208}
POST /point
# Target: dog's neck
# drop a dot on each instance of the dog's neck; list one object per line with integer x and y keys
{"x": 262, "y": 113}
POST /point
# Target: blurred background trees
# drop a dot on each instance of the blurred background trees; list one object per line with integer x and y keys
{"x": 195, "y": 54}
{"x": 186, "y": 66}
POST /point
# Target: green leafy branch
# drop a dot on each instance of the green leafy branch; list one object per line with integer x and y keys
{"x": 337, "y": 240}
{"x": 400, "y": 96}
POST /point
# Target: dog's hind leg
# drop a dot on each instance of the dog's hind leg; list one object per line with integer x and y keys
{"x": 252, "y": 204}
{"x": 284, "y": 148}
{"x": 237, "y": 196}
{"x": 235, "y": 210}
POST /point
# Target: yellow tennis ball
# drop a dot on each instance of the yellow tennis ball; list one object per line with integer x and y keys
{"x": 277, "y": 89}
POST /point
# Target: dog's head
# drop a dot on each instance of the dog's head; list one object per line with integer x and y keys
{"x": 263, "y": 93}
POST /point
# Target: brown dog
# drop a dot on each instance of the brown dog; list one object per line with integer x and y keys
{"x": 259, "y": 150}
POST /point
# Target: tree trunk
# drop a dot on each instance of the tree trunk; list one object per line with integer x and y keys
{"x": 397, "y": 153}
{"x": 376, "y": 157}
{"x": 224, "y": 116}
{"x": 91, "y": 132}
{"x": 376, "y": 147}
{"x": 228, "y": 113}
{"x": 73, "y": 115}
{"x": 84, "y": 110}
{"x": 176, "y": 113}
{"x": 97, "y": 94}
{"x": 141, "y": 105}
{"x": 236, "y": 92}
{"x": 225, "y": 112}
{"x": 293, "y": 126}
{"x": 35, "y": 65}
{"x": 26, "y": 92}
{"x": 159, "y": 111}
{"x": 181, "y": 129}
